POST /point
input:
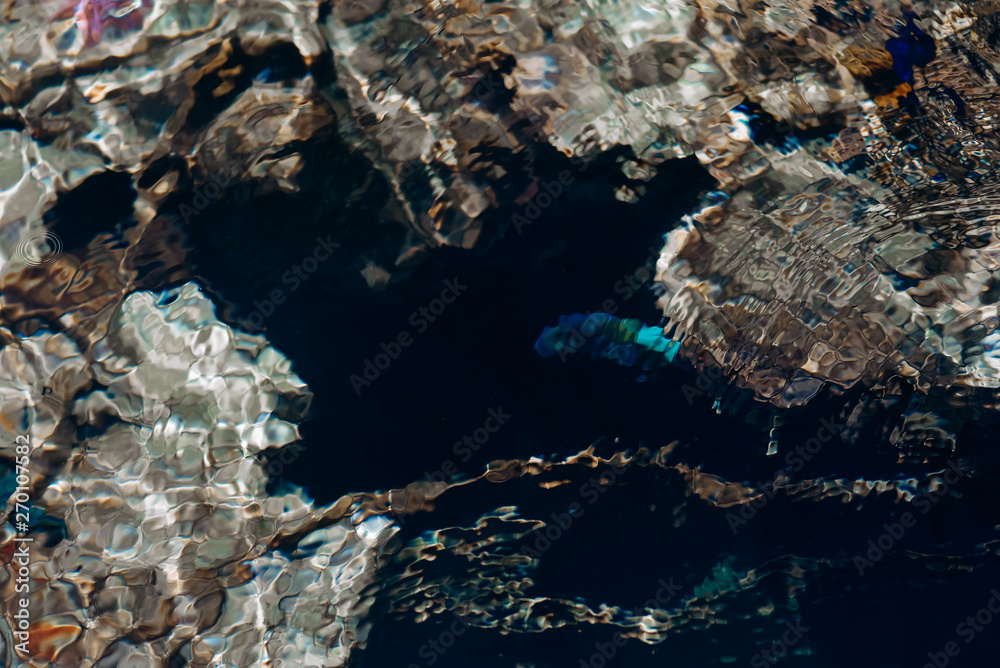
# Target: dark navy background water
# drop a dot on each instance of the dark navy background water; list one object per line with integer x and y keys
{"x": 478, "y": 355}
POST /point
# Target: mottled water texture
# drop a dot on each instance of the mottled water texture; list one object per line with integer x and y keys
{"x": 848, "y": 246}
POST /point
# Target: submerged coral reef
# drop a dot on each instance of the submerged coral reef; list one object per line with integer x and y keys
{"x": 848, "y": 245}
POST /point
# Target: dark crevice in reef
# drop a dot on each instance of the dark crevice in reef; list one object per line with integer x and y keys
{"x": 94, "y": 207}
{"x": 279, "y": 63}
{"x": 245, "y": 245}
{"x": 7, "y": 123}
{"x": 766, "y": 129}
{"x": 244, "y": 252}
{"x": 477, "y": 354}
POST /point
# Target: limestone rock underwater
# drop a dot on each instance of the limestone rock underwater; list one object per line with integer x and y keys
{"x": 851, "y": 243}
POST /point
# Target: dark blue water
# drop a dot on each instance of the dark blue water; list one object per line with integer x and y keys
{"x": 477, "y": 356}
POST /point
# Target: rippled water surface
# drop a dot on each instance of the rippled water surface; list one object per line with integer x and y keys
{"x": 547, "y": 333}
